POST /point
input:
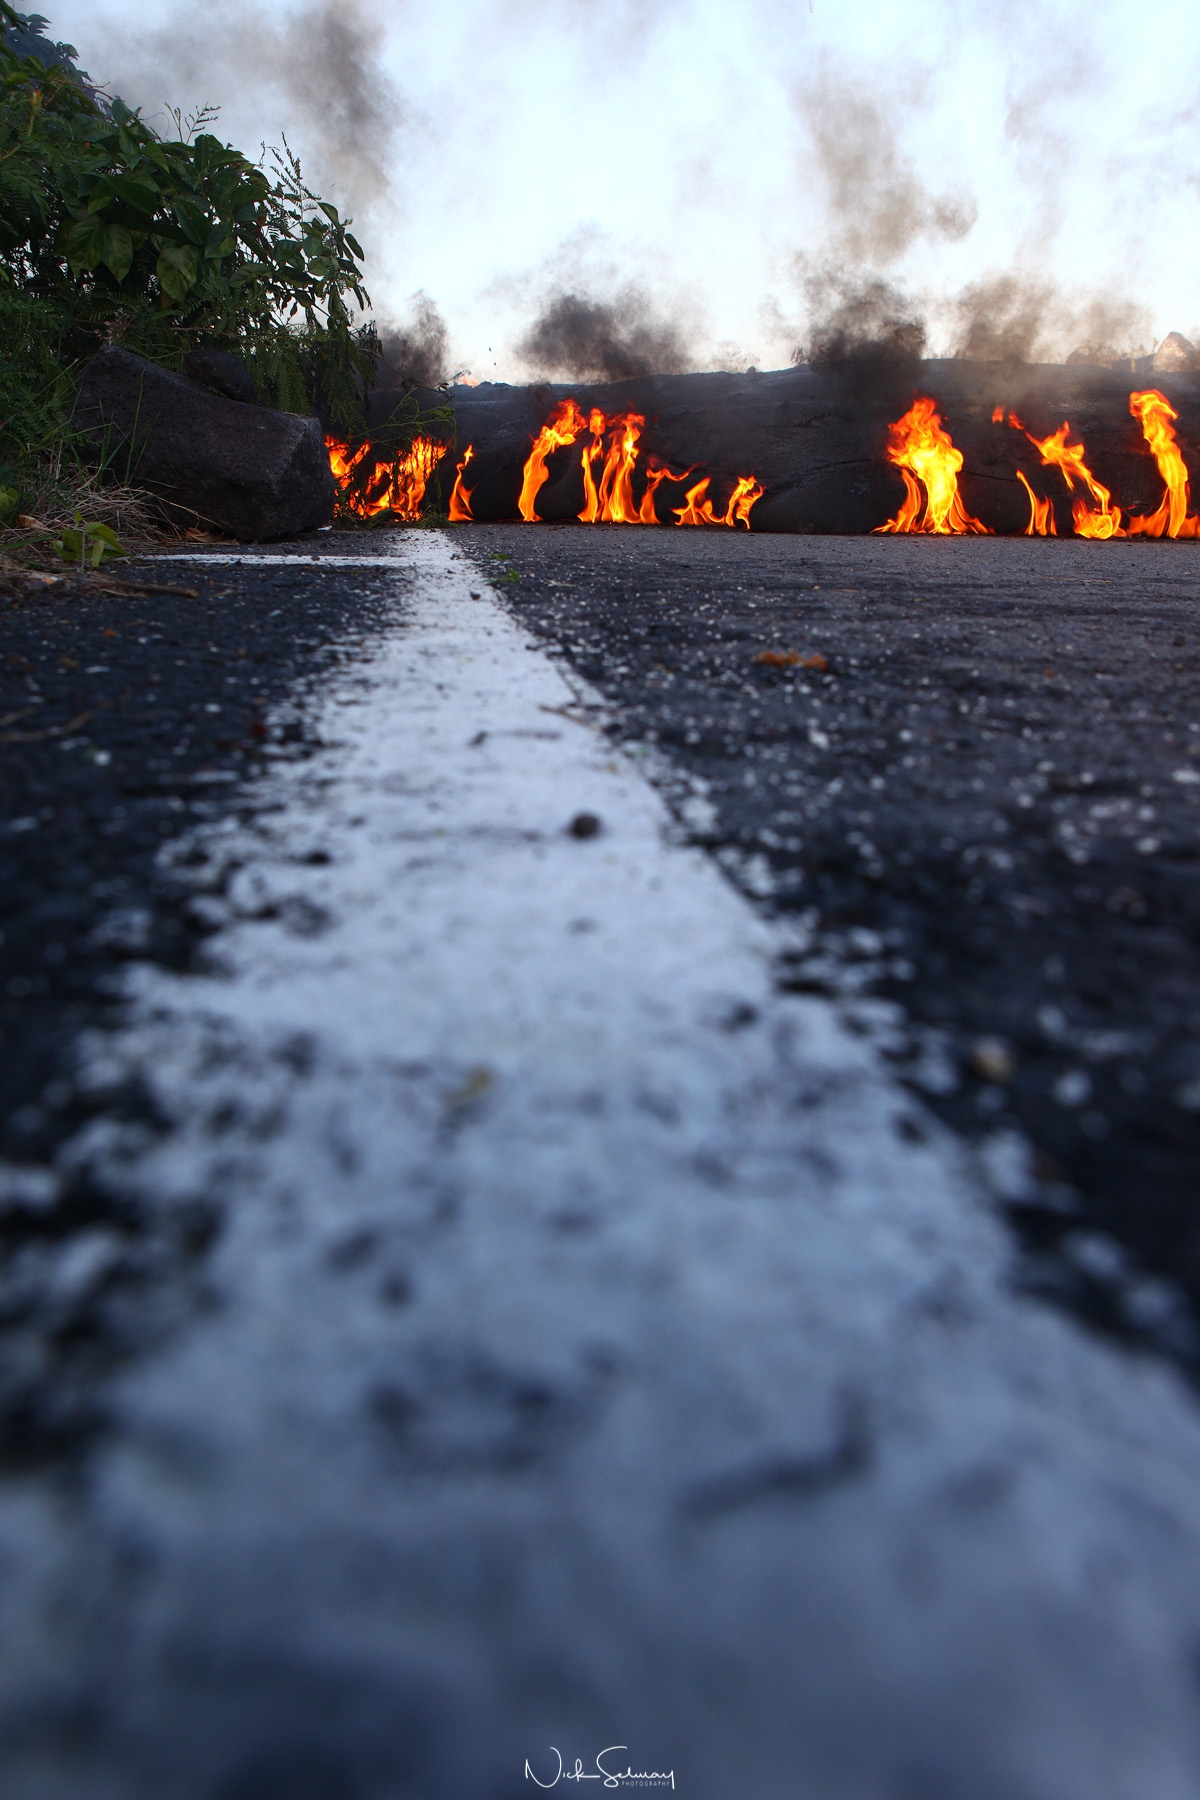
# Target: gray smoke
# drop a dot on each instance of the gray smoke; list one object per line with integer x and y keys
{"x": 1018, "y": 318}
{"x": 578, "y": 338}
{"x": 415, "y": 352}
{"x": 879, "y": 204}
{"x": 320, "y": 61}
{"x": 1002, "y": 319}
{"x": 1012, "y": 317}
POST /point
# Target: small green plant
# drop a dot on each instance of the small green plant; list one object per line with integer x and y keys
{"x": 88, "y": 544}
{"x": 9, "y": 501}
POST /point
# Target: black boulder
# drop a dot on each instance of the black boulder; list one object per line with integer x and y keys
{"x": 246, "y": 470}
{"x": 220, "y": 371}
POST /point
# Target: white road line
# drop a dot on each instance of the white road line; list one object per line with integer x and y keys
{"x": 330, "y": 559}
{"x": 593, "y": 1350}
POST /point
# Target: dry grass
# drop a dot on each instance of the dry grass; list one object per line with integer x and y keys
{"x": 51, "y": 504}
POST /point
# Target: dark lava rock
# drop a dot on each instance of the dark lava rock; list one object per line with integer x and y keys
{"x": 246, "y": 470}
{"x": 222, "y": 372}
{"x": 816, "y": 438}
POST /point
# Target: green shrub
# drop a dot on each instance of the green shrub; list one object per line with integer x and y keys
{"x": 110, "y": 233}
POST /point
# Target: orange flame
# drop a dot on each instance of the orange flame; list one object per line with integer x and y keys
{"x": 698, "y": 510}
{"x": 562, "y": 427}
{"x": 460, "y": 498}
{"x": 924, "y": 453}
{"x": 1102, "y": 521}
{"x": 1041, "y": 513}
{"x": 395, "y": 487}
{"x": 656, "y": 474}
{"x": 616, "y": 482}
{"x": 1171, "y": 519}
{"x": 611, "y": 500}
{"x": 591, "y": 499}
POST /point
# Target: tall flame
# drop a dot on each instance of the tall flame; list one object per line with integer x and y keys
{"x": 1041, "y": 513}
{"x": 1171, "y": 519}
{"x": 615, "y": 498}
{"x": 1101, "y": 521}
{"x": 925, "y": 455}
{"x": 591, "y": 499}
{"x": 396, "y": 487}
{"x": 460, "y": 498}
{"x": 562, "y": 427}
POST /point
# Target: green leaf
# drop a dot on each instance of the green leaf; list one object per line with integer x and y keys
{"x": 138, "y": 194}
{"x": 193, "y": 218}
{"x": 220, "y": 242}
{"x": 176, "y": 271}
{"x": 356, "y": 247}
{"x": 88, "y": 544}
{"x": 82, "y": 243}
{"x": 8, "y": 502}
{"x": 118, "y": 250}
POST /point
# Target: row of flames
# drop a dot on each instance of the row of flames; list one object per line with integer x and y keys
{"x": 613, "y": 444}
{"x": 918, "y": 444}
{"x": 398, "y": 487}
{"x": 923, "y": 451}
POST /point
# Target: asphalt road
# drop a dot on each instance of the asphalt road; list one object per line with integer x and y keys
{"x": 979, "y": 785}
{"x": 502, "y": 1253}
{"x": 122, "y": 718}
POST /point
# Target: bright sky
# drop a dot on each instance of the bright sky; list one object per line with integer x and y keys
{"x": 497, "y": 151}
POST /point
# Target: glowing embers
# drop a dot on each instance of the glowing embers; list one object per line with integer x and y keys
{"x": 613, "y": 448}
{"x": 924, "y": 453}
{"x": 370, "y": 486}
{"x": 1171, "y": 519}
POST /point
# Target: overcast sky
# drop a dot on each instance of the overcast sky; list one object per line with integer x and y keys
{"x": 722, "y": 157}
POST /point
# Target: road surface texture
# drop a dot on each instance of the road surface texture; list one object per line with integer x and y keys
{"x": 480, "y": 1288}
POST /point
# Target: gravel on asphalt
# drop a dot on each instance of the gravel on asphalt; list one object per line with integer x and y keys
{"x": 972, "y": 767}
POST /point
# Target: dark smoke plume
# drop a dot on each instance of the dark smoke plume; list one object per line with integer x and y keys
{"x": 862, "y": 320}
{"x": 867, "y": 322}
{"x": 416, "y": 352}
{"x": 577, "y": 339}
